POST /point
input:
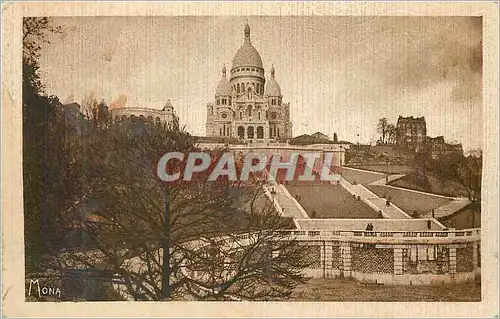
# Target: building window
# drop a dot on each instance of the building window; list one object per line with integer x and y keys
{"x": 249, "y": 110}
{"x": 250, "y": 132}
{"x": 241, "y": 131}
{"x": 241, "y": 115}
{"x": 260, "y": 132}
{"x": 238, "y": 88}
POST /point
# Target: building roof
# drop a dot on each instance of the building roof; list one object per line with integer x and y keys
{"x": 223, "y": 88}
{"x": 306, "y": 139}
{"x": 272, "y": 86}
{"x": 247, "y": 55}
{"x": 411, "y": 119}
{"x": 320, "y": 135}
{"x": 439, "y": 139}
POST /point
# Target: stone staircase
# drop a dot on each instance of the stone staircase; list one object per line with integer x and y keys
{"x": 283, "y": 201}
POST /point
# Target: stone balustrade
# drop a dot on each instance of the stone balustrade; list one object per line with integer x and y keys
{"x": 393, "y": 257}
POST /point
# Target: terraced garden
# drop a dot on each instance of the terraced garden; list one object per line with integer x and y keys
{"x": 409, "y": 201}
{"x": 330, "y": 201}
{"x": 355, "y": 176}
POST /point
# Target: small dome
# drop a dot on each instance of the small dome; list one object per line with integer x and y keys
{"x": 272, "y": 86}
{"x": 247, "y": 55}
{"x": 224, "y": 88}
{"x": 168, "y": 105}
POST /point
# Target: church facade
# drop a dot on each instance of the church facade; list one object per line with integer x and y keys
{"x": 247, "y": 106}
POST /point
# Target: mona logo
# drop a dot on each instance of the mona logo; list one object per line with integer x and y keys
{"x": 37, "y": 290}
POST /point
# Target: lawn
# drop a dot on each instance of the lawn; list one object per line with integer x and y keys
{"x": 355, "y": 176}
{"x": 409, "y": 201}
{"x": 330, "y": 201}
{"x": 337, "y": 289}
{"x": 467, "y": 217}
{"x": 433, "y": 185}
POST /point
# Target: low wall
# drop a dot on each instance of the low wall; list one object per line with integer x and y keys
{"x": 360, "y": 224}
{"x": 394, "y": 258}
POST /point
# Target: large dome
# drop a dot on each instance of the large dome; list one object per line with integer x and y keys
{"x": 247, "y": 55}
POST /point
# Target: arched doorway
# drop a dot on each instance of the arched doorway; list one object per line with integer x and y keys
{"x": 241, "y": 131}
{"x": 250, "y": 132}
{"x": 260, "y": 132}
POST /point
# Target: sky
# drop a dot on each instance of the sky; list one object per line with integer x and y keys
{"x": 340, "y": 74}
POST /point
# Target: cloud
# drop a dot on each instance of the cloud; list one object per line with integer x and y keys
{"x": 433, "y": 51}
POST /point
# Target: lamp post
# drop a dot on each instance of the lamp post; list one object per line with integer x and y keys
{"x": 166, "y": 250}
{"x": 387, "y": 171}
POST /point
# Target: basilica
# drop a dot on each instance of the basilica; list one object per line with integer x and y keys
{"x": 247, "y": 106}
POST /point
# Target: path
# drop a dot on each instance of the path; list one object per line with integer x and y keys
{"x": 286, "y": 205}
{"x": 448, "y": 209}
{"x": 377, "y": 203}
{"x": 390, "y": 178}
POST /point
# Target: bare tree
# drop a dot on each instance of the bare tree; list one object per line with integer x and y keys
{"x": 129, "y": 237}
{"x": 382, "y": 128}
{"x": 391, "y": 134}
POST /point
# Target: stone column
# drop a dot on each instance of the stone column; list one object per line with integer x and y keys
{"x": 345, "y": 252}
{"x": 452, "y": 252}
{"x": 328, "y": 259}
{"x": 398, "y": 260}
{"x": 453, "y": 260}
{"x": 475, "y": 247}
{"x": 322, "y": 259}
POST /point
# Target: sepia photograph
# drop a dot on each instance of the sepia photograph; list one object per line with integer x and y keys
{"x": 253, "y": 159}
